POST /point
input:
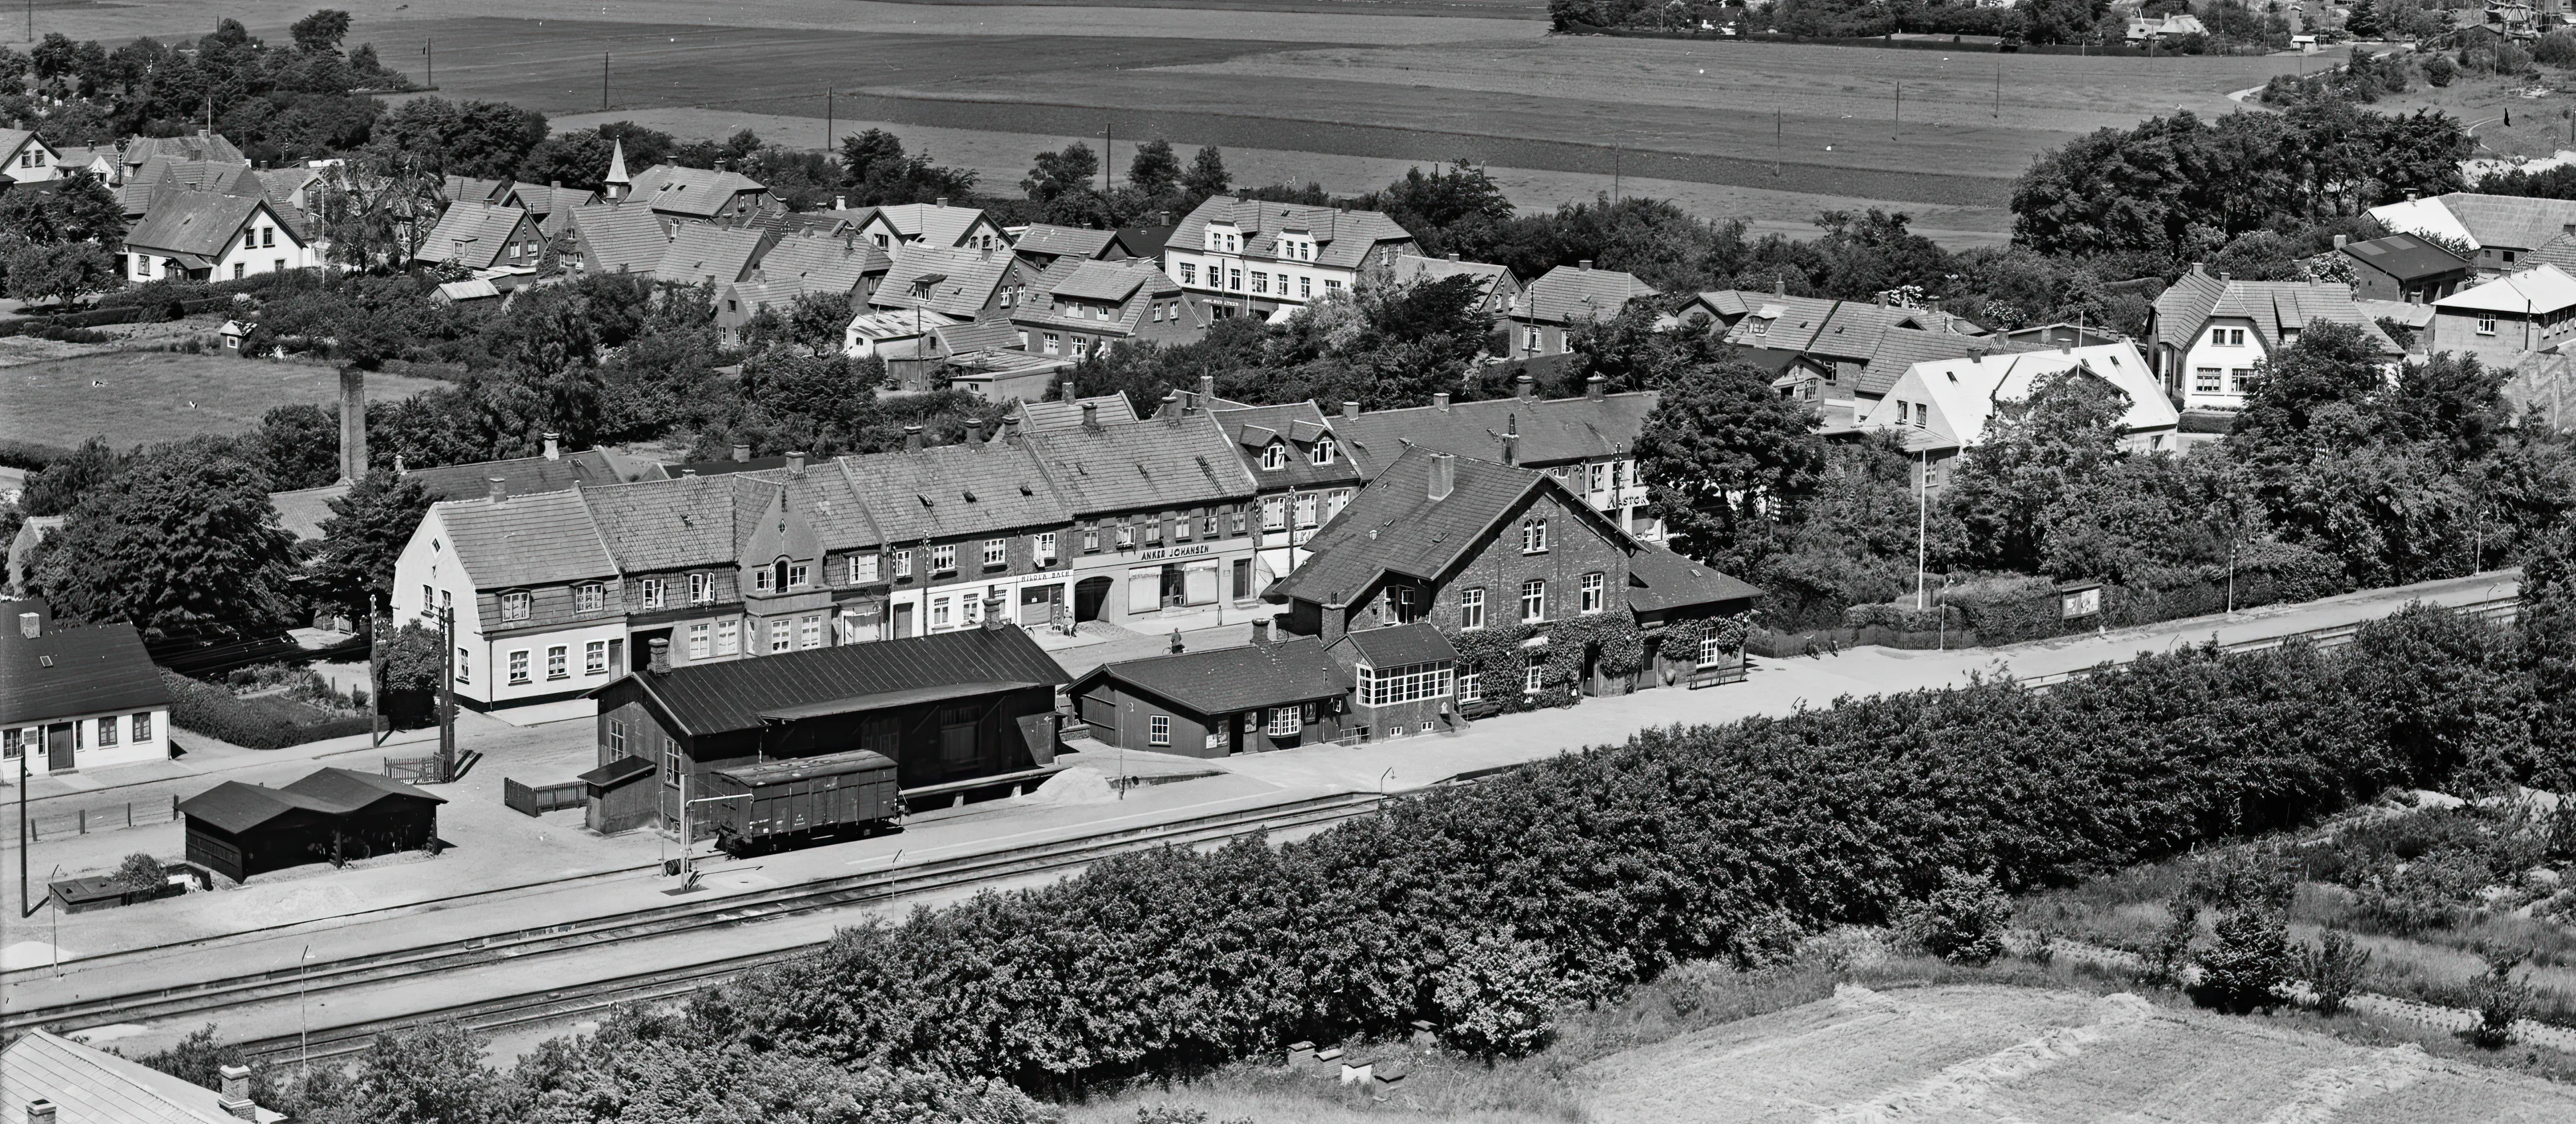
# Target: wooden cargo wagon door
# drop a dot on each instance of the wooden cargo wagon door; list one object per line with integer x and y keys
{"x": 958, "y": 745}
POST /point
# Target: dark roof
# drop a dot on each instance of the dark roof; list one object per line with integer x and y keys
{"x": 620, "y": 771}
{"x": 801, "y": 768}
{"x": 524, "y": 476}
{"x": 720, "y": 468}
{"x": 2405, "y": 257}
{"x": 1659, "y": 579}
{"x": 1227, "y": 680}
{"x": 882, "y": 700}
{"x": 1400, "y": 645}
{"x": 715, "y": 698}
{"x": 1552, "y": 430}
{"x": 237, "y": 807}
{"x": 193, "y": 222}
{"x": 81, "y": 669}
{"x": 1300, "y": 424}
{"x": 1146, "y": 241}
{"x": 1157, "y": 463}
{"x": 1394, "y": 526}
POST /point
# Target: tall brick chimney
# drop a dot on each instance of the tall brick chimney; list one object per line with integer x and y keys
{"x": 353, "y": 424}
{"x": 660, "y": 660}
{"x": 1444, "y": 475}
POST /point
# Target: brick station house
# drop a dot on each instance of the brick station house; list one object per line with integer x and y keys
{"x": 1472, "y": 546}
{"x": 1270, "y": 694}
{"x": 1588, "y": 443}
{"x": 954, "y": 711}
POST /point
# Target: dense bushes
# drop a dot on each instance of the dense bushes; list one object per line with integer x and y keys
{"x": 1614, "y": 863}
{"x": 250, "y": 723}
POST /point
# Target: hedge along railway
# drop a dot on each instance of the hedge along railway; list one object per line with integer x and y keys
{"x": 207, "y": 997}
{"x": 1063, "y": 857}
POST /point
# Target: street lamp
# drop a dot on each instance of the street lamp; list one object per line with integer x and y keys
{"x": 1381, "y": 791}
{"x": 303, "y": 1014}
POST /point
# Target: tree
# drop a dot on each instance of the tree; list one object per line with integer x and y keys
{"x": 489, "y": 139}
{"x": 2546, "y": 620}
{"x": 181, "y": 541}
{"x": 428, "y": 1074}
{"x": 1963, "y": 919}
{"x": 2036, "y": 452}
{"x": 2363, "y": 22}
{"x": 58, "y": 487}
{"x": 1207, "y": 176}
{"x": 140, "y": 873}
{"x": 63, "y": 272}
{"x": 1725, "y": 453}
{"x": 1498, "y": 997}
{"x": 2246, "y": 966}
{"x": 2502, "y": 1000}
{"x": 365, "y": 534}
{"x": 2334, "y": 970}
{"x": 865, "y": 152}
{"x": 1154, "y": 171}
{"x": 297, "y": 446}
{"x": 322, "y": 31}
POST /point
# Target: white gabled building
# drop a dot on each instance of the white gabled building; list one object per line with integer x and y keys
{"x": 1941, "y": 408}
{"x": 213, "y": 236}
{"x": 28, "y": 159}
{"x": 2210, "y": 334}
{"x": 1247, "y": 257}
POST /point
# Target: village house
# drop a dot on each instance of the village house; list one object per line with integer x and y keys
{"x": 2405, "y": 268}
{"x": 2210, "y": 332}
{"x": 1269, "y": 694}
{"x": 1553, "y": 305}
{"x": 201, "y": 146}
{"x": 77, "y": 697}
{"x": 1465, "y": 545}
{"x": 714, "y": 256}
{"x": 930, "y": 225}
{"x": 550, "y": 205}
{"x": 2498, "y": 230}
{"x": 1401, "y": 680}
{"x": 687, "y": 195}
{"x": 50, "y": 1079}
{"x": 1587, "y": 443}
{"x": 1303, "y": 474}
{"x": 212, "y": 236}
{"x": 961, "y": 283}
{"x": 800, "y": 264}
{"x": 162, "y": 175}
{"x": 1044, "y": 244}
{"x": 1161, "y": 512}
{"x": 1098, "y": 305}
{"x": 1840, "y": 356}
{"x": 611, "y": 237}
{"x": 1940, "y": 409}
{"x": 1248, "y": 257}
{"x": 2508, "y": 319}
{"x": 481, "y": 236}
{"x": 539, "y": 611}
{"x": 1066, "y": 411}
{"x": 26, "y": 158}
{"x": 1497, "y": 287}
{"x": 966, "y": 527}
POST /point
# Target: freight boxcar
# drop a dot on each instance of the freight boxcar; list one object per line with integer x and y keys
{"x": 757, "y": 808}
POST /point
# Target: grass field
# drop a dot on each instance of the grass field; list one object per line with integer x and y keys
{"x": 138, "y": 397}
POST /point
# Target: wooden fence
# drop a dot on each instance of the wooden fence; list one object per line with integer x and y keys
{"x": 537, "y": 800}
{"x": 105, "y": 817}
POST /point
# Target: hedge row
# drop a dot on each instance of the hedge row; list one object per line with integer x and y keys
{"x": 2015, "y": 609}
{"x": 207, "y": 709}
{"x": 1481, "y": 907}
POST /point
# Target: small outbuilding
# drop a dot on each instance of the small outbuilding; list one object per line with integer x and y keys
{"x": 1267, "y": 695}
{"x": 1403, "y": 677}
{"x": 331, "y": 815}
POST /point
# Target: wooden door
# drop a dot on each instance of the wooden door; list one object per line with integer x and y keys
{"x": 58, "y": 746}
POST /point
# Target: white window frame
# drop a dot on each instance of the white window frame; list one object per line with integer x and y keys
{"x": 997, "y": 552}
{"x": 1534, "y": 536}
{"x": 1534, "y": 677}
{"x": 729, "y": 638}
{"x": 1158, "y": 730}
{"x": 1044, "y": 548}
{"x": 594, "y": 658}
{"x": 902, "y": 564}
{"x": 1471, "y": 686}
{"x": 590, "y": 597}
{"x": 1471, "y": 609}
{"x": 809, "y": 631}
{"x": 702, "y": 589}
{"x": 799, "y": 573}
{"x": 1711, "y": 653}
{"x": 1274, "y": 456}
{"x": 943, "y": 559}
{"x": 1534, "y": 600}
{"x": 1593, "y": 589}
{"x": 863, "y": 569}
{"x": 701, "y": 641}
{"x": 519, "y": 668}
{"x": 650, "y": 589}
{"x": 558, "y": 661}
{"x": 1284, "y": 722}
{"x": 515, "y": 605}
{"x": 1324, "y": 451}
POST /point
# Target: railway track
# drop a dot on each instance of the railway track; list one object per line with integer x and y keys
{"x": 372, "y": 969}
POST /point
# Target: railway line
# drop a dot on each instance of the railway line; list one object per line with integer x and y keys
{"x": 205, "y": 997}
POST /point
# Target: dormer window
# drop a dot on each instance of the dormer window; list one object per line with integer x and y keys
{"x": 1274, "y": 456}
{"x": 590, "y": 597}
{"x": 1323, "y": 452}
{"x": 514, "y": 606}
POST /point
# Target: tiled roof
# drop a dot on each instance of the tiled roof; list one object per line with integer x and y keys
{"x": 2536, "y": 291}
{"x": 193, "y": 222}
{"x": 1231, "y": 680}
{"x": 2196, "y": 298}
{"x": 144, "y": 182}
{"x": 619, "y": 238}
{"x": 1659, "y": 579}
{"x": 195, "y": 146}
{"x": 715, "y": 698}
{"x": 1900, "y": 348}
{"x": 1573, "y": 294}
{"x": 1342, "y": 238}
{"x": 966, "y": 278}
{"x": 75, "y": 669}
{"x": 1966, "y": 392}
{"x": 821, "y": 263}
{"x": 472, "y": 234}
{"x": 526, "y": 475}
{"x": 977, "y": 335}
{"x": 237, "y": 807}
{"x": 1145, "y": 465}
{"x": 543, "y": 539}
{"x": 1048, "y": 417}
{"x": 1394, "y": 526}
{"x": 695, "y": 192}
{"x": 1048, "y": 238}
{"x": 1828, "y": 326}
{"x": 547, "y": 199}
{"x": 1400, "y": 645}
{"x": 470, "y": 189}
{"x": 1145, "y": 241}
{"x": 1110, "y": 282}
{"x": 954, "y": 491}
{"x": 303, "y": 511}
{"x": 822, "y": 496}
{"x": 1495, "y": 281}
{"x": 2511, "y": 221}
{"x": 702, "y": 254}
{"x": 933, "y": 224}
{"x": 91, "y": 1086}
{"x": 1298, "y": 423}
{"x": 666, "y": 524}
{"x": 1552, "y": 430}
{"x": 2407, "y": 257}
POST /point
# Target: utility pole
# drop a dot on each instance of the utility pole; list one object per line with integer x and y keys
{"x": 375, "y": 676}
{"x": 603, "y": 81}
{"x": 1779, "y": 130}
{"x": 1999, "y": 87}
{"x": 447, "y": 694}
{"x": 827, "y": 122}
{"x": 429, "y": 55}
{"x": 1900, "y": 112}
{"x": 1614, "y": 175}
{"x": 1108, "y": 153}
{"x": 1922, "y": 523}
{"x": 26, "y": 900}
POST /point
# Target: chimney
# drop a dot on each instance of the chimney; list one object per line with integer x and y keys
{"x": 1779, "y": 285}
{"x": 1585, "y": 265}
{"x": 943, "y": 200}
{"x": 40, "y": 1111}
{"x": 660, "y": 661}
{"x": 31, "y": 625}
{"x": 912, "y": 438}
{"x": 2226, "y": 275}
{"x": 499, "y": 490}
{"x": 995, "y": 616}
{"x": 1453, "y": 255}
{"x": 353, "y": 424}
{"x": 985, "y": 252}
{"x": 399, "y": 470}
{"x": 236, "y": 1098}
{"x": 1444, "y": 475}
{"x": 1010, "y": 426}
{"x": 1064, "y": 391}
{"x": 1176, "y": 641}
{"x": 840, "y": 202}
{"x": 1091, "y": 415}
{"x": 1525, "y": 386}
{"x": 741, "y": 451}
{"x": 974, "y": 432}
{"x": 796, "y": 463}
{"x": 2066, "y": 345}
{"x": 1594, "y": 387}
{"x": 2340, "y": 239}
{"x": 1350, "y": 408}
{"x": 1171, "y": 408}
{"x": 1261, "y": 631}
{"x": 557, "y": 185}
{"x": 1440, "y": 401}
{"x": 554, "y": 446}
{"x": 1207, "y": 389}
{"x": 1163, "y": 218}
{"x": 1511, "y": 439}
{"x": 1882, "y": 298}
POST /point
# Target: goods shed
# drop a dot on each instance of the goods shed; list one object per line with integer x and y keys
{"x": 1266, "y": 695}
{"x": 239, "y": 830}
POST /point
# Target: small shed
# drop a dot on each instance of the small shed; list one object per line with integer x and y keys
{"x": 239, "y": 830}
{"x": 234, "y": 331}
{"x": 1404, "y": 680}
{"x": 619, "y": 799}
{"x": 1219, "y": 701}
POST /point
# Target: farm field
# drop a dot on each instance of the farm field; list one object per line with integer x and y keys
{"x": 141, "y": 397}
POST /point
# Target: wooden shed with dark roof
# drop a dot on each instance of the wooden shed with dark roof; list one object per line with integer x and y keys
{"x": 331, "y": 815}
{"x": 1266, "y": 695}
{"x": 956, "y": 712}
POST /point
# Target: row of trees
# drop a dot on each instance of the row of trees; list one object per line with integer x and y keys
{"x": 279, "y": 102}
